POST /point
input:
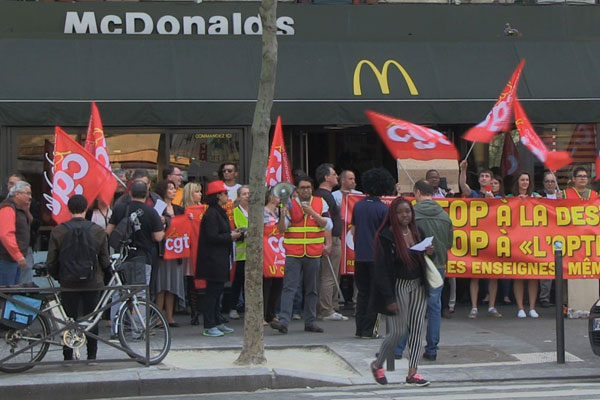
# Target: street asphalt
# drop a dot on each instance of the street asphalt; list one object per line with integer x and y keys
{"x": 471, "y": 350}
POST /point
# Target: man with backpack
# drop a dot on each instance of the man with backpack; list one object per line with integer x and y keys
{"x": 78, "y": 259}
{"x": 146, "y": 226}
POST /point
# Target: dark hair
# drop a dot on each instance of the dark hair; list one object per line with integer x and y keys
{"x": 167, "y": 171}
{"x": 140, "y": 173}
{"x": 377, "y": 182}
{"x": 17, "y": 174}
{"x": 138, "y": 190}
{"x": 391, "y": 220}
{"x": 499, "y": 179}
{"x": 424, "y": 187}
{"x": 485, "y": 171}
{"x": 77, "y": 204}
{"x": 305, "y": 178}
{"x": 516, "y": 184}
{"x": 220, "y": 171}
{"x": 430, "y": 171}
{"x": 212, "y": 200}
{"x": 576, "y": 170}
{"x": 296, "y": 175}
{"x": 162, "y": 187}
{"x": 323, "y": 171}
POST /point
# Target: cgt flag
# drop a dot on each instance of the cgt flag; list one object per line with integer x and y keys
{"x": 278, "y": 165}
{"x": 509, "y": 164}
{"x": 95, "y": 144}
{"x": 553, "y": 160}
{"x": 499, "y": 118}
{"x": 76, "y": 171}
{"x": 407, "y": 140}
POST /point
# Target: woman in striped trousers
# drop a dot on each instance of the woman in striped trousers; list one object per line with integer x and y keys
{"x": 400, "y": 287}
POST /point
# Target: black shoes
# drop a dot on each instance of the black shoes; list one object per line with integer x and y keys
{"x": 430, "y": 357}
{"x": 278, "y": 326}
{"x": 545, "y": 304}
{"x": 313, "y": 328}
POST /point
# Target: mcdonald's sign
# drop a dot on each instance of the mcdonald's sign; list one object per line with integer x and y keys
{"x": 382, "y": 77}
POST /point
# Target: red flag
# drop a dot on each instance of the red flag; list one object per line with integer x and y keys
{"x": 406, "y": 140}
{"x": 178, "y": 238}
{"x": 509, "y": 165}
{"x": 499, "y": 118}
{"x": 582, "y": 146}
{"x": 75, "y": 172}
{"x": 278, "y": 166}
{"x": 553, "y": 160}
{"x": 273, "y": 252}
{"x": 95, "y": 143}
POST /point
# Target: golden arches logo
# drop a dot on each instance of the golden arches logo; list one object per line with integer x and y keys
{"x": 382, "y": 77}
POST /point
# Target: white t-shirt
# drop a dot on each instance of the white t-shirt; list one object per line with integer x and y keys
{"x": 337, "y": 195}
{"x": 232, "y": 191}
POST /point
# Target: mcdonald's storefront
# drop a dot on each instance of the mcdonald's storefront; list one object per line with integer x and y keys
{"x": 177, "y": 83}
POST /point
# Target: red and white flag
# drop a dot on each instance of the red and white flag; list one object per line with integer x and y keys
{"x": 278, "y": 166}
{"x": 499, "y": 119}
{"x": 509, "y": 164}
{"x": 553, "y": 160}
{"x": 76, "y": 171}
{"x": 407, "y": 140}
{"x": 95, "y": 144}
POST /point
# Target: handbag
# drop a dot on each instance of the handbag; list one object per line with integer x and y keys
{"x": 434, "y": 279}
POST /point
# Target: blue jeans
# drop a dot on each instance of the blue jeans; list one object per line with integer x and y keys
{"x": 10, "y": 273}
{"x": 434, "y": 322}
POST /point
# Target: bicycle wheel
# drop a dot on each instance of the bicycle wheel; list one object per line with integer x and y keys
{"x": 13, "y": 340}
{"x": 133, "y": 335}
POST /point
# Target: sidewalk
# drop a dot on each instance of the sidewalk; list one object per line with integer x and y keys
{"x": 470, "y": 350}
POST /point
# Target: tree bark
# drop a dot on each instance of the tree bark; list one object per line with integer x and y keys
{"x": 253, "y": 351}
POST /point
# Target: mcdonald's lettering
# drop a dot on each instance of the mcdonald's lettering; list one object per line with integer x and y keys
{"x": 382, "y": 77}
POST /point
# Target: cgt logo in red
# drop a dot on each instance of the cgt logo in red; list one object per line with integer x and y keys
{"x": 178, "y": 244}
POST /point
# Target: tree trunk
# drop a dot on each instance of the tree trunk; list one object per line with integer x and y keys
{"x": 253, "y": 351}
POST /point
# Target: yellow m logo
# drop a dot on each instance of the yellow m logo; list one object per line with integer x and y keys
{"x": 382, "y": 77}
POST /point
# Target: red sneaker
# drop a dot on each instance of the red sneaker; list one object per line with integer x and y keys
{"x": 378, "y": 374}
{"x": 416, "y": 380}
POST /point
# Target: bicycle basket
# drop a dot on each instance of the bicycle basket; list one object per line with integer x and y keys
{"x": 16, "y": 316}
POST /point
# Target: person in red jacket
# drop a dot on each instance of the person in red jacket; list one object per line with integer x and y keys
{"x": 14, "y": 233}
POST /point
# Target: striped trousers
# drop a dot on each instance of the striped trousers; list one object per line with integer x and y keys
{"x": 411, "y": 297}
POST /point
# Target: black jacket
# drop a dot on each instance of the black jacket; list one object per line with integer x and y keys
{"x": 215, "y": 246}
{"x": 383, "y": 289}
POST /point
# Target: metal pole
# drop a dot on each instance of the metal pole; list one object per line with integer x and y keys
{"x": 337, "y": 285}
{"x": 558, "y": 301}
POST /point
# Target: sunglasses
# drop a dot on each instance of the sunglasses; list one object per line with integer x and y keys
{"x": 227, "y": 170}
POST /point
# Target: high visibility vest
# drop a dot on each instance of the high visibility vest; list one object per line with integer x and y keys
{"x": 572, "y": 193}
{"x": 304, "y": 237}
{"x": 240, "y": 221}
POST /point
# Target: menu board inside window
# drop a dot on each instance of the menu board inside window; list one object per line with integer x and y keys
{"x": 201, "y": 153}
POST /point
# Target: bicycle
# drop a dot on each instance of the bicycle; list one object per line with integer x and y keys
{"x": 21, "y": 348}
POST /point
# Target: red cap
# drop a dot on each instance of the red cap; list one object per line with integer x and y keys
{"x": 215, "y": 187}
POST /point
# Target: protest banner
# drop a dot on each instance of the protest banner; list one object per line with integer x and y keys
{"x": 177, "y": 238}
{"x": 512, "y": 238}
{"x": 273, "y": 252}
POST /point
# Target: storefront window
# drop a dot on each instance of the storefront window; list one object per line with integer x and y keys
{"x": 200, "y": 153}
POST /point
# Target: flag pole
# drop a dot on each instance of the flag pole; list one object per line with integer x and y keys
{"x": 119, "y": 180}
{"x": 470, "y": 149}
{"x": 405, "y": 171}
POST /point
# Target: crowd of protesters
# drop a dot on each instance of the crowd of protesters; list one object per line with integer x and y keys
{"x": 388, "y": 277}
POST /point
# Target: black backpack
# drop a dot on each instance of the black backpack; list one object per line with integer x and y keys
{"x": 78, "y": 257}
{"x": 121, "y": 235}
